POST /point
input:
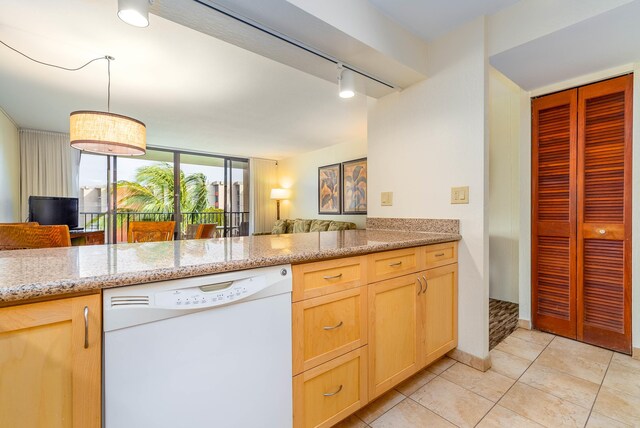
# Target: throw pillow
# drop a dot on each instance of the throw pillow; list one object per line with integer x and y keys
{"x": 319, "y": 225}
{"x": 340, "y": 225}
{"x": 301, "y": 226}
{"x": 279, "y": 227}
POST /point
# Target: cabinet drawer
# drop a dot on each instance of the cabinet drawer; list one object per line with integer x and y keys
{"x": 441, "y": 254}
{"x": 390, "y": 264}
{"x": 320, "y": 278}
{"x": 328, "y": 326}
{"x": 328, "y": 393}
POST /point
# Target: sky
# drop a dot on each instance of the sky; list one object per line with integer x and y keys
{"x": 93, "y": 170}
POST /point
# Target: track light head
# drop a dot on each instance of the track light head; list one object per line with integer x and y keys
{"x": 346, "y": 82}
{"x": 134, "y": 12}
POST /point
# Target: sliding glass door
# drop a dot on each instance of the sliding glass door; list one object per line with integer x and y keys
{"x": 162, "y": 185}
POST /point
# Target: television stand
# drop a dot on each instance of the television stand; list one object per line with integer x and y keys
{"x": 86, "y": 237}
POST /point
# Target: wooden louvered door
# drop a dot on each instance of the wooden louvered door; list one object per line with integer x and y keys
{"x": 604, "y": 213}
{"x": 554, "y": 157}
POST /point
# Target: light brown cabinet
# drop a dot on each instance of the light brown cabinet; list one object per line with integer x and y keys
{"x": 50, "y": 364}
{"x": 393, "y": 332}
{"x": 362, "y": 325}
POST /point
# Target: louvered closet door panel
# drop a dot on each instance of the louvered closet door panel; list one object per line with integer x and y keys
{"x": 604, "y": 213}
{"x": 554, "y": 132}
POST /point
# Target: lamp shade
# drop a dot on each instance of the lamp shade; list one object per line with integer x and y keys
{"x": 107, "y": 133}
{"x": 280, "y": 194}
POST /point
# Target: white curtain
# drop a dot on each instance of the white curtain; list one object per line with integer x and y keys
{"x": 48, "y": 166}
{"x": 264, "y": 177}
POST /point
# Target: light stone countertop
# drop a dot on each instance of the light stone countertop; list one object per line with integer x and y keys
{"x": 35, "y": 274}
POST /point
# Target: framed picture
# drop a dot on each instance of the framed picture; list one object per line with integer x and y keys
{"x": 329, "y": 189}
{"x": 354, "y": 187}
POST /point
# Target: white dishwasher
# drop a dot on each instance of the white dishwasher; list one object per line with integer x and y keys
{"x": 210, "y": 351}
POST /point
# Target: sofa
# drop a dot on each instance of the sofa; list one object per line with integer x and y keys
{"x": 309, "y": 225}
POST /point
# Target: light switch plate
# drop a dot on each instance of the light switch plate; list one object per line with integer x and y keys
{"x": 460, "y": 195}
{"x": 386, "y": 199}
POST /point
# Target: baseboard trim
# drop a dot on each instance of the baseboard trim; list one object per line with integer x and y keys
{"x": 524, "y": 324}
{"x": 635, "y": 353}
{"x": 482, "y": 364}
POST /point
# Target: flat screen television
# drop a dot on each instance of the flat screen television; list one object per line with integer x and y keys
{"x": 49, "y": 210}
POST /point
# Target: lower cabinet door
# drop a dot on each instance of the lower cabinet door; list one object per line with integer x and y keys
{"x": 50, "y": 358}
{"x": 393, "y": 332}
{"x": 326, "y": 394}
{"x": 440, "y": 315}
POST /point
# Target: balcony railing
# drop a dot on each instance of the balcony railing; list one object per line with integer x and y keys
{"x": 229, "y": 223}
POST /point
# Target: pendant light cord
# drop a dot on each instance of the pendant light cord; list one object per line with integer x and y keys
{"x": 107, "y": 57}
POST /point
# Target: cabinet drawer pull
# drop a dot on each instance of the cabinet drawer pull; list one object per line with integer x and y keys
{"x": 332, "y": 276}
{"x": 331, "y": 394}
{"x": 419, "y": 282}
{"x": 86, "y": 327}
{"x": 334, "y": 327}
{"x": 426, "y": 284}
{"x": 395, "y": 264}
{"x": 602, "y": 231}
{"x": 439, "y": 254}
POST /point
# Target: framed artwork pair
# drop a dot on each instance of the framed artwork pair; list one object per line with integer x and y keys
{"x": 342, "y": 188}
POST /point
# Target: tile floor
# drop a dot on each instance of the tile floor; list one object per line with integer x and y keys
{"x": 537, "y": 379}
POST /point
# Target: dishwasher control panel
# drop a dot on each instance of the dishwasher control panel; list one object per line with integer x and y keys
{"x": 211, "y": 294}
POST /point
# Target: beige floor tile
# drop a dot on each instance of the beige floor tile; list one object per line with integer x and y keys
{"x": 618, "y": 405}
{"x": 596, "y": 420}
{"x": 574, "y": 389}
{"x": 520, "y": 348}
{"x": 626, "y": 360}
{"x": 441, "y": 365}
{"x": 490, "y": 384}
{"x": 508, "y": 364}
{"x": 415, "y": 382}
{"x": 588, "y": 352}
{"x": 409, "y": 414}
{"x": 453, "y": 402}
{"x": 351, "y": 422}
{"x": 573, "y": 364}
{"x": 500, "y": 417}
{"x": 374, "y": 410}
{"x": 623, "y": 378}
{"x": 543, "y": 408}
{"x": 535, "y": 336}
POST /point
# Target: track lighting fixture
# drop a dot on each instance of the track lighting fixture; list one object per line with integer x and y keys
{"x": 134, "y": 12}
{"x": 346, "y": 82}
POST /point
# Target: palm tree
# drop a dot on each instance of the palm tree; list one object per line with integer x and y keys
{"x": 153, "y": 190}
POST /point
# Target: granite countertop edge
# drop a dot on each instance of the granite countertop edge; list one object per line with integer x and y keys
{"x": 15, "y": 294}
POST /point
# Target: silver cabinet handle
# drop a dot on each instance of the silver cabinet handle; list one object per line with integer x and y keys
{"x": 396, "y": 263}
{"x": 439, "y": 254}
{"x": 602, "y": 231}
{"x": 86, "y": 327}
{"x": 426, "y": 284}
{"x": 334, "y": 327}
{"x": 332, "y": 276}
{"x": 331, "y": 394}
{"x": 419, "y": 282}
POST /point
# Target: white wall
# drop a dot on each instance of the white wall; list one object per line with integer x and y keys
{"x": 430, "y": 137}
{"x": 504, "y": 186}
{"x": 300, "y": 174}
{"x": 9, "y": 170}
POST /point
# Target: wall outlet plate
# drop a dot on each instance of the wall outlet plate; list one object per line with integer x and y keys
{"x": 386, "y": 199}
{"x": 460, "y": 195}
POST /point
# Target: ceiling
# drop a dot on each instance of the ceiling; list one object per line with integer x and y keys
{"x": 193, "y": 91}
{"x": 432, "y": 18}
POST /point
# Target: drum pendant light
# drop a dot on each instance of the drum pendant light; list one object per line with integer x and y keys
{"x": 105, "y": 132}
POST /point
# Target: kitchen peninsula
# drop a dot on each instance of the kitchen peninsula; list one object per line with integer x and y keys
{"x": 367, "y": 286}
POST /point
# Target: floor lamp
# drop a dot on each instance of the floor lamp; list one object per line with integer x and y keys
{"x": 279, "y": 195}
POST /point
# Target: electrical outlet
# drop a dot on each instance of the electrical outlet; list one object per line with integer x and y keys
{"x": 460, "y": 195}
{"x": 386, "y": 199}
